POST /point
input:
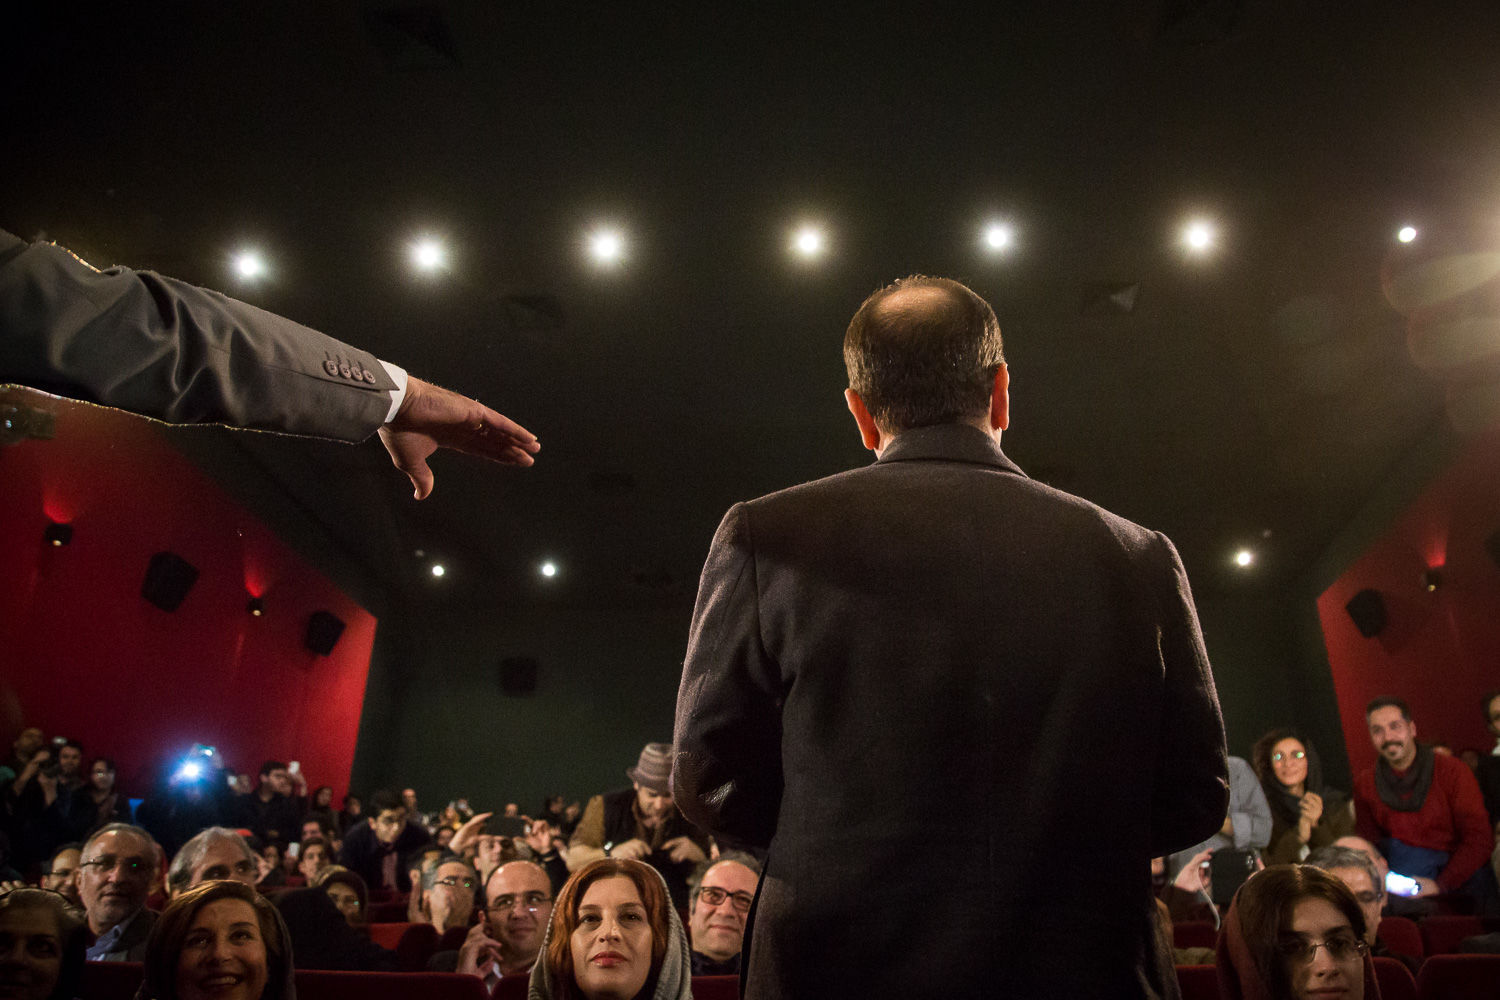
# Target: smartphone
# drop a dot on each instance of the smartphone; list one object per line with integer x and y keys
{"x": 294, "y": 767}
{"x": 293, "y": 849}
{"x": 1229, "y": 869}
{"x": 1401, "y": 885}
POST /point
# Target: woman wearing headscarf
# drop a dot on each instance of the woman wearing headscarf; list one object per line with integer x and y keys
{"x": 1305, "y": 814}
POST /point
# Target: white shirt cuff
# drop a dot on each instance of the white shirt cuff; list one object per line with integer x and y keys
{"x": 398, "y": 375}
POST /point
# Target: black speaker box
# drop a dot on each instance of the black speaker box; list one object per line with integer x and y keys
{"x": 1492, "y": 546}
{"x": 518, "y": 675}
{"x": 169, "y": 577}
{"x": 1367, "y": 608}
{"x": 323, "y": 632}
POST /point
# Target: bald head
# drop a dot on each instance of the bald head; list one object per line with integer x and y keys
{"x": 923, "y": 351}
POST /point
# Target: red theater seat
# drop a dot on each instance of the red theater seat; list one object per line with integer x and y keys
{"x": 389, "y": 911}
{"x": 1198, "y": 982}
{"x": 1441, "y": 934}
{"x": 1395, "y": 980}
{"x": 1459, "y": 977}
{"x": 413, "y": 944}
{"x": 111, "y": 980}
{"x": 511, "y": 988}
{"x": 314, "y": 985}
{"x": 1402, "y": 935}
{"x": 1194, "y": 934}
{"x": 716, "y": 987}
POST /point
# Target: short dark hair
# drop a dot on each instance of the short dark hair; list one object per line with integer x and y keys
{"x": 385, "y": 799}
{"x": 1329, "y": 858}
{"x": 72, "y": 743}
{"x": 919, "y": 364}
{"x": 272, "y": 765}
{"x": 108, "y": 762}
{"x": 1484, "y": 706}
{"x": 1386, "y": 701}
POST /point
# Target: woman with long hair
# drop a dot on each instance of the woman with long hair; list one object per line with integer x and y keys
{"x": 613, "y": 936}
{"x": 1294, "y": 932}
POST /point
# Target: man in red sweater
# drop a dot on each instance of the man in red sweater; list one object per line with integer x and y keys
{"x": 1424, "y": 808}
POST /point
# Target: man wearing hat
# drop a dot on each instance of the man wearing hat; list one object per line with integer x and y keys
{"x": 641, "y": 822}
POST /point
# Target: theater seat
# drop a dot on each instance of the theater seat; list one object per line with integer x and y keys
{"x": 1442, "y": 933}
{"x": 1198, "y": 982}
{"x": 314, "y": 985}
{"x": 1194, "y": 934}
{"x": 413, "y": 944}
{"x": 1459, "y": 977}
{"x": 1401, "y": 935}
{"x": 1395, "y": 980}
{"x": 716, "y": 987}
{"x": 111, "y": 980}
{"x": 386, "y": 912}
{"x": 511, "y": 988}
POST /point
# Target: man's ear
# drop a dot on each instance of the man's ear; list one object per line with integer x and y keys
{"x": 1000, "y": 400}
{"x": 869, "y": 433}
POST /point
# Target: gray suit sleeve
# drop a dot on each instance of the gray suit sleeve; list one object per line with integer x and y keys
{"x": 727, "y": 775}
{"x": 166, "y": 349}
{"x": 1191, "y": 794}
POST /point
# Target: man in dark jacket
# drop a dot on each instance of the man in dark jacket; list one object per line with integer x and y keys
{"x": 935, "y": 628}
{"x": 373, "y": 849}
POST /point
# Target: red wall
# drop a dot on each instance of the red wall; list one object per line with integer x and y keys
{"x": 1439, "y": 651}
{"x": 84, "y": 655}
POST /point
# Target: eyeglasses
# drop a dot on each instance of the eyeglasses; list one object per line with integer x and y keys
{"x": 455, "y": 881}
{"x": 1278, "y": 756}
{"x": 529, "y": 901}
{"x": 1340, "y": 948}
{"x": 108, "y": 863}
{"x": 714, "y": 896}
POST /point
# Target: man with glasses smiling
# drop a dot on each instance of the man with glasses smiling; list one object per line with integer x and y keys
{"x": 508, "y": 938}
{"x": 114, "y": 877}
{"x": 721, "y": 898}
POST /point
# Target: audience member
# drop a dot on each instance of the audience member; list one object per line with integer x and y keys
{"x": 443, "y": 836}
{"x": 614, "y": 934}
{"x": 1248, "y": 824}
{"x": 446, "y": 893}
{"x": 214, "y": 854}
{"x": 219, "y": 939}
{"x": 41, "y": 946}
{"x": 352, "y": 814}
{"x": 183, "y": 802}
{"x": 271, "y": 863}
{"x": 114, "y": 877}
{"x": 1294, "y": 933}
{"x": 1305, "y": 814}
{"x": 1488, "y": 769}
{"x": 1424, "y": 809}
{"x": 642, "y": 823}
{"x": 348, "y": 892}
{"x": 60, "y": 873}
{"x": 70, "y": 774}
{"x": 1358, "y": 872}
{"x": 722, "y": 892}
{"x": 373, "y": 849}
{"x": 509, "y": 935}
{"x": 274, "y": 810}
{"x": 322, "y": 937}
{"x": 313, "y": 826}
{"x": 320, "y": 808}
{"x": 314, "y": 856}
{"x": 109, "y": 806}
{"x": 28, "y": 743}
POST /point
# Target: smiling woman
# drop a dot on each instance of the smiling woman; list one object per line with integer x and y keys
{"x": 614, "y": 936}
{"x": 41, "y": 946}
{"x": 218, "y": 939}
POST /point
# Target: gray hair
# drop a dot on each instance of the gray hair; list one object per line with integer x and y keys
{"x": 429, "y": 871}
{"x": 1329, "y": 858}
{"x": 180, "y": 874}
{"x": 704, "y": 867}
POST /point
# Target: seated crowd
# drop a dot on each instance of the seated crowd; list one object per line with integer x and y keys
{"x": 638, "y": 900}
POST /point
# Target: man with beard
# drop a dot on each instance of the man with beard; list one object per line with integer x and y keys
{"x": 1423, "y": 808}
{"x": 119, "y": 864}
{"x": 509, "y": 935}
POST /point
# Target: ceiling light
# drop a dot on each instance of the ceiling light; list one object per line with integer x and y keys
{"x": 438, "y": 570}
{"x": 1198, "y": 235}
{"x": 607, "y": 246}
{"x": 1244, "y": 558}
{"x": 249, "y": 265}
{"x": 58, "y": 534}
{"x": 548, "y": 569}
{"x": 808, "y": 241}
{"x": 998, "y": 236}
{"x": 1406, "y": 234}
{"x": 256, "y": 606}
{"x": 427, "y": 254}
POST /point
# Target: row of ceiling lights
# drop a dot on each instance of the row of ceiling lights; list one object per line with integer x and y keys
{"x": 607, "y": 246}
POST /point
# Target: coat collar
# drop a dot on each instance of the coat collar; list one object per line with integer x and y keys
{"x": 948, "y": 443}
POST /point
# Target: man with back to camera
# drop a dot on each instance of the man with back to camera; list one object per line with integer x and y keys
{"x": 935, "y": 628}
{"x": 1424, "y": 809}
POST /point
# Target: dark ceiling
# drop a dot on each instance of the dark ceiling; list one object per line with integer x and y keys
{"x": 1255, "y": 396}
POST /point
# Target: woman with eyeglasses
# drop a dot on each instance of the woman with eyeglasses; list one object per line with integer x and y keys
{"x": 614, "y": 935}
{"x": 1295, "y": 932}
{"x": 1305, "y": 814}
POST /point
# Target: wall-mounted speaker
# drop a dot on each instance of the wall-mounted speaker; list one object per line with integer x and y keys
{"x": 323, "y": 632}
{"x": 1367, "y": 608}
{"x": 1492, "y": 546}
{"x": 518, "y": 676}
{"x": 169, "y": 577}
